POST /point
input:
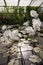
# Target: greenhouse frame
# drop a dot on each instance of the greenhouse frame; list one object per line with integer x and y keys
{"x": 21, "y": 32}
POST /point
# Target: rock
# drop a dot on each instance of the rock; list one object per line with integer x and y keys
{"x": 23, "y": 32}
{"x": 21, "y": 28}
{"x": 1, "y": 34}
{"x": 3, "y": 56}
{"x": 36, "y": 24}
{"x": 32, "y": 64}
{"x": 4, "y": 27}
{"x": 13, "y": 49}
{"x": 26, "y": 23}
{"x": 29, "y": 30}
{"x": 25, "y": 36}
{"x": 22, "y": 39}
{"x": 20, "y": 44}
{"x": 7, "y": 33}
{"x": 19, "y": 55}
{"x": 11, "y": 62}
{"x": 12, "y": 35}
{"x": 29, "y": 39}
{"x": 35, "y": 40}
{"x": 26, "y": 41}
{"x": 41, "y": 24}
{"x": 15, "y": 32}
{"x": 10, "y": 26}
{"x": 3, "y": 60}
{"x": 41, "y": 35}
{"x": 17, "y": 62}
{"x": 13, "y": 55}
{"x": 6, "y": 41}
{"x": 41, "y": 54}
{"x": 19, "y": 35}
{"x": 2, "y": 38}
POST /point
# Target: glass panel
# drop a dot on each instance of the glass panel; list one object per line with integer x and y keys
{"x": 2, "y": 3}
{"x": 42, "y": 5}
{"x": 24, "y": 2}
{"x": 12, "y": 2}
{"x": 1, "y": 9}
{"x": 10, "y": 9}
{"x": 37, "y": 3}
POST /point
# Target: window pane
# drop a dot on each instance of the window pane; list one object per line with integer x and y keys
{"x": 12, "y": 2}
{"x": 24, "y": 2}
{"x": 42, "y": 5}
{"x": 2, "y": 3}
{"x": 37, "y": 3}
{"x": 1, "y": 9}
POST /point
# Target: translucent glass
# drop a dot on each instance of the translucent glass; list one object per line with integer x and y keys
{"x": 12, "y": 2}
{"x": 36, "y": 3}
{"x": 42, "y": 5}
{"x": 2, "y": 3}
{"x": 24, "y": 2}
{"x": 1, "y": 9}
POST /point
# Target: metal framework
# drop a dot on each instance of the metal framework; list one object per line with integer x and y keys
{"x": 6, "y": 5}
{"x": 31, "y": 2}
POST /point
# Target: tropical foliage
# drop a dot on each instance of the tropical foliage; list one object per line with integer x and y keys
{"x": 14, "y": 15}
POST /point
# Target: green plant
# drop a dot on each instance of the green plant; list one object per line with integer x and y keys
{"x": 16, "y": 15}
